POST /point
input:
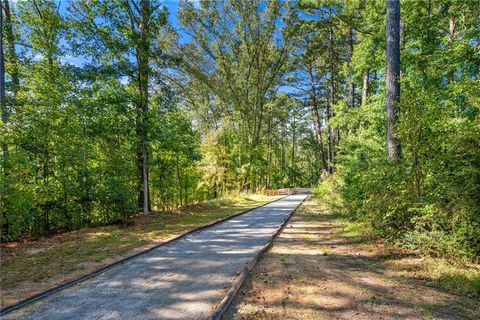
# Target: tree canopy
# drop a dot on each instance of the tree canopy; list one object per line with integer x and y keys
{"x": 110, "y": 108}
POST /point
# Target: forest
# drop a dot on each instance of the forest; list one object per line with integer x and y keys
{"x": 114, "y": 107}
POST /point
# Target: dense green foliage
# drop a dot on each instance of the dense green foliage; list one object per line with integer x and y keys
{"x": 237, "y": 56}
{"x": 430, "y": 199}
{"x": 104, "y": 109}
{"x": 241, "y": 96}
{"x": 71, "y": 132}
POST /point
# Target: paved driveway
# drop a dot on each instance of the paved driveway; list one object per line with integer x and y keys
{"x": 184, "y": 279}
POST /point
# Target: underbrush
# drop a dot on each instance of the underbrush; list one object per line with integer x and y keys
{"x": 457, "y": 277}
{"x": 233, "y": 197}
{"x": 390, "y": 212}
{"x": 449, "y": 252}
{"x": 219, "y": 202}
{"x": 436, "y": 243}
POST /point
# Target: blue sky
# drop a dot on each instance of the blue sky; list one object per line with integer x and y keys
{"x": 172, "y": 6}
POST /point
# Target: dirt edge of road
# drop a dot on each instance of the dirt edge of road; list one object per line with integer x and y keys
{"x": 223, "y": 306}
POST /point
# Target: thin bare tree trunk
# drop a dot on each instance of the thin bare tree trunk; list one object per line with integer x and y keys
{"x": 365, "y": 88}
{"x": 294, "y": 137}
{"x": 332, "y": 135}
{"x": 269, "y": 168}
{"x": 3, "y": 103}
{"x": 351, "y": 84}
{"x": 392, "y": 78}
{"x": 319, "y": 136}
{"x": 331, "y": 140}
{"x": 12, "y": 55}
{"x": 317, "y": 119}
{"x": 179, "y": 179}
{"x": 2, "y": 71}
{"x": 142, "y": 123}
{"x": 451, "y": 36}
{"x": 283, "y": 160}
{"x": 186, "y": 189}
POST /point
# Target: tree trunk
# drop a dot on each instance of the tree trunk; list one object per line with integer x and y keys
{"x": 318, "y": 129}
{"x": 3, "y": 103}
{"x": 142, "y": 106}
{"x": 179, "y": 180}
{"x": 225, "y": 164}
{"x": 283, "y": 160}
{"x": 351, "y": 84}
{"x": 317, "y": 119}
{"x": 294, "y": 137}
{"x": 331, "y": 140}
{"x": 452, "y": 26}
{"x": 269, "y": 157}
{"x": 12, "y": 55}
{"x": 331, "y": 134}
{"x": 365, "y": 89}
{"x": 392, "y": 78}
{"x": 186, "y": 189}
{"x": 451, "y": 36}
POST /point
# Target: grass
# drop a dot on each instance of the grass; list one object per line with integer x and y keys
{"x": 455, "y": 277}
{"x": 50, "y": 261}
{"x": 356, "y": 232}
{"x": 447, "y": 274}
{"x": 451, "y": 276}
{"x": 440, "y": 273}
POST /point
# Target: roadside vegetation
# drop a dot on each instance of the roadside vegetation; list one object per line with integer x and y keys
{"x": 410, "y": 174}
{"x": 446, "y": 261}
{"x": 462, "y": 278}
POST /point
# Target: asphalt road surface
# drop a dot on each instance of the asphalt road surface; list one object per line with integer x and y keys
{"x": 184, "y": 279}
